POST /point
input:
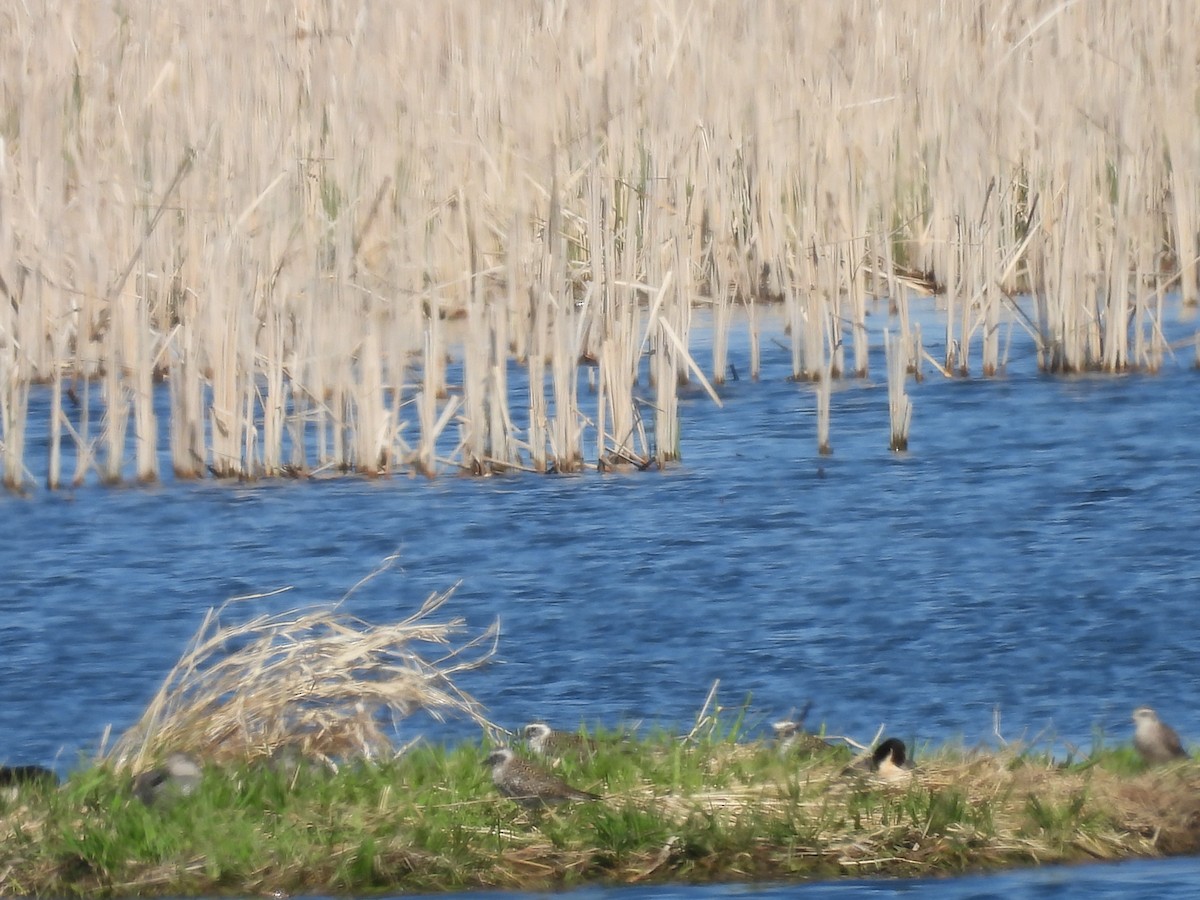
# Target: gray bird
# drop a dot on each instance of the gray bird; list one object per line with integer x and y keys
{"x": 529, "y": 784}
{"x": 545, "y": 741}
{"x": 790, "y": 737}
{"x": 291, "y": 761}
{"x": 793, "y": 724}
{"x": 1154, "y": 740}
{"x": 178, "y": 777}
{"x": 790, "y": 734}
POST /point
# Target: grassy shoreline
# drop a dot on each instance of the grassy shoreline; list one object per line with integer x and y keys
{"x": 716, "y": 810}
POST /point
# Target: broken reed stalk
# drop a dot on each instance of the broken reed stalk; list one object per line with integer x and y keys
{"x": 615, "y": 384}
{"x": 14, "y": 411}
{"x": 319, "y": 680}
{"x": 797, "y": 326}
{"x": 752, "y": 322}
{"x": 899, "y": 406}
{"x": 824, "y": 402}
{"x": 54, "y": 462}
{"x": 665, "y": 366}
{"x": 722, "y": 318}
{"x": 140, "y": 338}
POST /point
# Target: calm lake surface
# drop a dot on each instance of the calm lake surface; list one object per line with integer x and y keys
{"x": 1157, "y": 878}
{"x": 1032, "y": 555}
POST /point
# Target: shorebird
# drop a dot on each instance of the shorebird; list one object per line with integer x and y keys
{"x": 11, "y": 775}
{"x": 786, "y": 729}
{"x": 889, "y": 762}
{"x": 1154, "y": 740}
{"x": 13, "y": 778}
{"x": 291, "y": 760}
{"x": 545, "y": 741}
{"x": 530, "y": 784}
{"x": 790, "y": 734}
{"x": 179, "y": 777}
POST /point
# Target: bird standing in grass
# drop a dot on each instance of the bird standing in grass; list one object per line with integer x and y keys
{"x": 545, "y": 741}
{"x": 529, "y": 784}
{"x": 179, "y": 777}
{"x": 789, "y": 734}
{"x": 10, "y": 775}
{"x": 13, "y": 778}
{"x": 1154, "y": 739}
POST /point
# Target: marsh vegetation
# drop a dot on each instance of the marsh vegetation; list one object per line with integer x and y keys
{"x": 379, "y": 238}
{"x": 712, "y": 808}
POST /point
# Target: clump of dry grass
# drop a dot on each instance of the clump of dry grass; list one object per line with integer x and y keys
{"x": 961, "y": 810}
{"x": 318, "y": 680}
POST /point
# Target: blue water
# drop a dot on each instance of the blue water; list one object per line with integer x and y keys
{"x": 1158, "y": 878}
{"x": 1032, "y": 555}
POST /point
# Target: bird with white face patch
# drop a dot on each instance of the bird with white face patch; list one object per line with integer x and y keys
{"x": 545, "y": 741}
{"x": 888, "y": 763}
{"x": 1155, "y": 741}
{"x": 529, "y": 784}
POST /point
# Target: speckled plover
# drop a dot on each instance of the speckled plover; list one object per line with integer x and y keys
{"x": 530, "y": 784}
{"x": 545, "y": 741}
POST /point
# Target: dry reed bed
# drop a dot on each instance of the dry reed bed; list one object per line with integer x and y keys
{"x": 295, "y": 212}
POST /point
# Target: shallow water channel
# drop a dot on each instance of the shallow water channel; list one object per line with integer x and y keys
{"x": 1027, "y": 571}
{"x": 1158, "y": 878}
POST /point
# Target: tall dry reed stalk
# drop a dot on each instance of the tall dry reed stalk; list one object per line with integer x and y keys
{"x": 824, "y": 405}
{"x": 298, "y": 217}
{"x": 14, "y": 408}
{"x": 899, "y": 406}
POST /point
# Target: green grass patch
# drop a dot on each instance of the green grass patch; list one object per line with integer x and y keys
{"x": 712, "y": 808}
